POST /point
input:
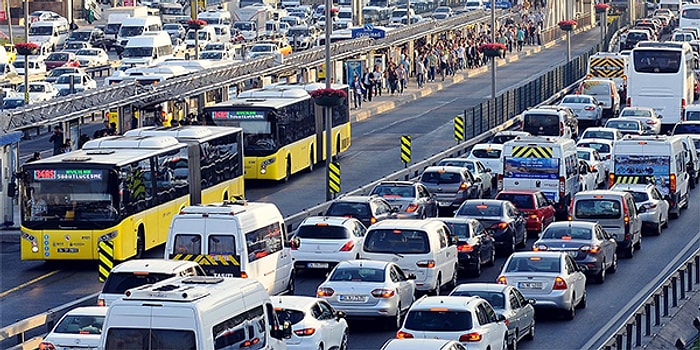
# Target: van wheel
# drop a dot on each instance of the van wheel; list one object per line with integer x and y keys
{"x": 140, "y": 243}
{"x": 638, "y": 245}
{"x": 629, "y": 252}
{"x": 291, "y": 288}
{"x": 436, "y": 291}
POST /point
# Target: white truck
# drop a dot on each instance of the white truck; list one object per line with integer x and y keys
{"x": 115, "y": 16}
{"x": 250, "y": 20}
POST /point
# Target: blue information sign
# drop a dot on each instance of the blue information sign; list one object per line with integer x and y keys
{"x": 369, "y": 31}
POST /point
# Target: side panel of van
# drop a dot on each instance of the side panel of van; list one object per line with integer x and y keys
{"x": 266, "y": 259}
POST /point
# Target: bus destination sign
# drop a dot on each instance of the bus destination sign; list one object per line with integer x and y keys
{"x": 68, "y": 174}
{"x": 238, "y": 115}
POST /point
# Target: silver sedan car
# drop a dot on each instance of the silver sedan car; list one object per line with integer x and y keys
{"x": 652, "y": 207}
{"x": 586, "y": 107}
{"x": 553, "y": 279}
{"x": 478, "y": 169}
{"x": 507, "y": 301}
{"x": 411, "y": 200}
{"x": 648, "y": 116}
{"x": 367, "y": 288}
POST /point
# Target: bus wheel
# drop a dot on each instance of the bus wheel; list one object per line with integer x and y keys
{"x": 288, "y": 172}
{"x": 140, "y": 243}
{"x": 311, "y": 160}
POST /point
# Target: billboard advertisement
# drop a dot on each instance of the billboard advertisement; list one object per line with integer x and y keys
{"x": 531, "y": 168}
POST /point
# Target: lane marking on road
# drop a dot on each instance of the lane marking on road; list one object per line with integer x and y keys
{"x": 644, "y": 293}
{"x": 12, "y": 290}
{"x": 414, "y": 117}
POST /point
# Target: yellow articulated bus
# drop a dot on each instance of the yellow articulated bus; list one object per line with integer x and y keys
{"x": 283, "y": 129}
{"x": 123, "y": 189}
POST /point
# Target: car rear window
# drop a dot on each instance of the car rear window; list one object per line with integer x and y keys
{"x": 357, "y": 274}
{"x": 291, "y": 316}
{"x": 635, "y": 113}
{"x": 692, "y": 115}
{"x": 567, "y": 233}
{"x": 479, "y": 210}
{"x": 487, "y": 153}
{"x": 534, "y": 264}
{"x": 520, "y": 201}
{"x": 595, "y": 134}
{"x": 639, "y": 197}
{"x": 394, "y": 191}
{"x": 576, "y": 99}
{"x": 684, "y": 129}
{"x": 120, "y": 282}
{"x": 322, "y": 232}
{"x": 623, "y": 125}
{"x": 597, "y": 209}
{"x": 541, "y": 124}
{"x": 501, "y": 139}
{"x": 80, "y": 324}
{"x": 438, "y": 321}
{"x": 600, "y": 147}
{"x": 358, "y": 210}
{"x": 439, "y": 177}
{"x": 460, "y": 230}
{"x": 496, "y": 299}
{"x": 396, "y": 241}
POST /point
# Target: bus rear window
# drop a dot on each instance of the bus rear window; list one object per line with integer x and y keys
{"x": 541, "y": 124}
{"x": 657, "y": 61}
{"x": 143, "y": 338}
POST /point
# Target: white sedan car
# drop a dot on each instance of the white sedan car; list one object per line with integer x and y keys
{"x": 320, "y": 242}
{"x": 593, "y": 158}
{"x": 92, "y": 57}
{"x": 490, "y": 155}
{"x": 587, "y": 176}
{"x": 315, "y": 324}
{"x": 39, "y": 91}
{"x": 79, "y": 328}
{"x": 80, "y": 81}
{"x": 652, "y": 207}
{"x": 478, "y": 169}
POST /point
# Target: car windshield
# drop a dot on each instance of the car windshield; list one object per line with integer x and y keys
{"x": 496, "y": 299}
{"x": 262, "y": 48}
{"x": 534, "y": 264}
{"x": 388, "y": 191}
{"x": 243, "y": 26}
{"x": 520, "y": 201}
{"x": 597, "y": 209}
{"x": 127, "y": 32}
{"x": 357, "y": 274}
{"x": 57, "y": 72}
{"x": 80, "y": 324}
{"x": 74, "y": 45}
{"x": 440, "y": 177}
{"x": 59, "y": 57}
{"x": 32, "y": 88}
{"x": 438, "y": 321}
{"x": 479, "y": 210}
{"x": 80, "y": 36}
{"x": 396, "y": 242}
{"x": 600, "y": 147}
{"x": 65, "y": 79}
{"x": 322, "y": 231}
{"x": 211, "y": 55}
{"x": 12, "y": 103}
{"x": 565, "y": 233}
{"x": 43, "y": 30}
{"x": 138, "y": 52}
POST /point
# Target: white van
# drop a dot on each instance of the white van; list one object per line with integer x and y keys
{"x": 139, "y": 272}
{"x": 661, "y": 159}
{"x": 216, "y": 17}
{"x": 692, "y": 112}
{"x": 548, "y": 164}
{"x": 206, "y": 35}
{"x": 135, "y": 26}
{"x": 421, "y": 247}
{"x": 235, "y": 239}
{"x": 203, "y": 313}
{"x": 51, "y": 33}
{"x": 148, "y": 49}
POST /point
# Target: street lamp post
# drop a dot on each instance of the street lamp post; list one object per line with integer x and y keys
{"x": 493, "y": 59}
{"x": 327, "y": 110}
{"x": 26, "y": 57}
{"x": 568, "y": 32}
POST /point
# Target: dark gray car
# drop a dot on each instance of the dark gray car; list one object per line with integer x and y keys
{"x": 451, "y": 185}
{"x": 412, "y": 200}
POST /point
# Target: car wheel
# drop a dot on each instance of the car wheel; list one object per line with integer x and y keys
{"x": 531, "y": 333}
{"x": 511, "y": 249}
{"x": 492, "y": 259}
{"x": 629, "y": 252}
{"x": 513, "y": 345}
{"x": 638, "y": 245}
{"x": 613, "y": 267}
{"x": 600, "y": 279}
{"x": 657, "y": 231}
{"x": 454, "y": 280}
{"x": 477, "y": 269}
{"x": 523, "y": 243}
{"x": 344, "y": 341}
{"x": 397, "y": 319}
{"x": 583, "y": 302}
{"x": 570, "y": 313}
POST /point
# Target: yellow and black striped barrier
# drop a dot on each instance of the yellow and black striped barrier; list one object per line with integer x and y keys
{"x": 334, "y": 177}
{"x": 608, "y": 67}
{"x": 634, "y": 179}
{"x": 105, "y": 257}
{"x": 406, "y": 149}
{"x": 459, "y": 128}
{"x": 532, "y": 152}
{"x": 205, "y": 260}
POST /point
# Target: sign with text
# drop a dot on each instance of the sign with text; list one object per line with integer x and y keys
{"x": 368, "y": 31}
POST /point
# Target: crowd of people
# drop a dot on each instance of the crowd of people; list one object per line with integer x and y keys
{"x": 447, "y": 56}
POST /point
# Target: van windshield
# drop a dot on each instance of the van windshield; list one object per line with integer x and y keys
{"x": 40, "y": 30}
{"x": 597, "y": 209}
{"x": 397, "y": 241}
{"x": 138, "y": 52}
{"x": 127, "y": 32}
{"x": 147, "y": 339}
{"x": 595, "y": 88}
{"x": 541, "y": 124}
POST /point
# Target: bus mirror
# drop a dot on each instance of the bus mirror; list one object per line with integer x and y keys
{"x": 282, "y": 132}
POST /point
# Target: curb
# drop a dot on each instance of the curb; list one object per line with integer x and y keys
{"x": 385, "y": 106}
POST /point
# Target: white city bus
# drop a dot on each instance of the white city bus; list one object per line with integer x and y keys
{"x": 661, "y": 76}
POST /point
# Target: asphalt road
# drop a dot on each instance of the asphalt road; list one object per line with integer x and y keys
{"x": 375, "y": 153}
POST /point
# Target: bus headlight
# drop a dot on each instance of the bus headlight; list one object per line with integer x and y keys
{"x": 108, "y": 236}
{"x": 265, "y": 163}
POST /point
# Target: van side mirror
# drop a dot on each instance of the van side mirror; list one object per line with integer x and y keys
{"x": 411, "y": 276}
{"x": 500, "y": 318}
{"x": 339, "y": 315}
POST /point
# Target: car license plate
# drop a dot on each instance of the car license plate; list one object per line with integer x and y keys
{"x": 352, "y": 298}
{"x": 530, "y": 285}
{"x": 317, "y": 265}
{"x": 444, "y": 204}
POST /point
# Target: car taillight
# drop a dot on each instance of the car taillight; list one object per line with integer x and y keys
{"x": 465, "y": 248}
{"x": 294, "y": 244}
{"x": 501, "y": 280}
{"x": 500, "y": 182}
{"x": 683, "y": 103}
{"x": 591, "y": 249}
{"x": 372, "y": 220}
{"x": 470, "y": 337}
{"x": 251, "y": 342}
{"x": 324, "y": 292}
{"x": 244, "y": 274}
{"x": 462, "y": 187}
{"x": 539, "y": 247}
{"x": 589, "y": 108}
{"x": 426, "y": 263}
{"x": 100, "y": 302}
{"x": 46, "y": 346}
{"x": 412, "y": 208}
{"x": 562, "y": 187}
{"x": 625, "y": 210}
{"x": 559, "y": 283}
{"x": 611, "y": 180}
{"x": 304, "y": 332}
{"x": 672, "y": 183}
{"x": 652, "y": 122}
{"x": 403, "y": 335}
{"x": 629, "y": 102}
{"x": 383, "y": 293}
{"x": 347, "y": 246}
{"x": 500, "y": 226}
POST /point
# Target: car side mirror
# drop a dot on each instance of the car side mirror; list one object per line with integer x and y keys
{"x": 500, "y": 318}
{"x": 642, "y": 209}
{"x": 339, "y": 315}
{"x": 411, "y": 276}
{"x": 488, "y": 170}
{"x": 531, "y": 301}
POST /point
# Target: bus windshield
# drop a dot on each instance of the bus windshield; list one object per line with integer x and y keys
{"x": 54, "y": 196}
{"x": 258, "y": 136}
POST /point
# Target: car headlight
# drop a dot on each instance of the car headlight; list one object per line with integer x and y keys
{"x": 108, "y": 236}
{"x": 265, "y": 163}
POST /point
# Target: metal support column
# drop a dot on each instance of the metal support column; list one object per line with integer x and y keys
{"x": 493, "y": 59}
{"x": 327, "y": 110}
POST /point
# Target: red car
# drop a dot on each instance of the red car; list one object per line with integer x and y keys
{"x": 61, "y": 59}
{"x": 536, "y": 208}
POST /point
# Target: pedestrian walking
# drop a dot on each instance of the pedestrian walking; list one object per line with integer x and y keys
{"x": 57, "y": 140}
{"x": 420, "y": 72}
{"x": 357, "y": 92}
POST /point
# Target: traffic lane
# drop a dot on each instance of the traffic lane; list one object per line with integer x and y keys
{"x": 374, "y": 152}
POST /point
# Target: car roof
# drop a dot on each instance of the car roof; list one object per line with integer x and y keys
{"x": 404, "y": 224}
{"x": 536, "y": 253}
{"x": 452, "y": 302}
{"x": 330, "y": 220}
{"x": 639, "y": 108}
{"x": 496, "y": 146}
{"x": 574, "y": 223}
{"x": 631, "y": 187}
{"x": 595, "y": 140}
{"x": 444, "y": 168}
{"x": 375, "y": 264}
{"x": 416, "y": 344}
{"x": 355, "y": 199}
{"x": 396, "y": 183}
{"x": 89, "y": 310}
{"x": 455, "y": 220}
{"x": 488, "y": 287}
{"x": 588, "y": 194}
{"x": 486, "y": 201}
{"x": 293, "y": 301}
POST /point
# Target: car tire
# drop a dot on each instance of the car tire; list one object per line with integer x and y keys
{"x": 436, "y": 291}
{"x": 613, "y": 266}
{"x": 397, "y": 319}
{"x": 638, "y": 245}
{"x": 492, "y": 259}
{"x": 629, "y": 252}
{"x": 657, "y": 230}
{"x": 583, "y": 303}
{"x": 477, "y": 270}
{"x": 513, "y": 345}
{"x": 570, "y": 314}
{"x": 531, "y": 333}
{"x": 600, "y": 278}
{"x": 523, "y": 243}
{"x": 511, "y": 248}
{"x": 344, "y": 341}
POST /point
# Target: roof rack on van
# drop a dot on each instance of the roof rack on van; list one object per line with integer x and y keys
{"x": 186, "y": 291}
{"x": 229, "y": 207}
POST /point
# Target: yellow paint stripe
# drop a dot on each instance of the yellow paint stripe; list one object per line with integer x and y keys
{"x": 25, "y": 284}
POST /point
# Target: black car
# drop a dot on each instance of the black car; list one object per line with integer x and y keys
{"x": 475, "y": 247}
{"x": 501, "y": 219}
{"x": 93, "y": 36}
{"x": 367, "y": 209}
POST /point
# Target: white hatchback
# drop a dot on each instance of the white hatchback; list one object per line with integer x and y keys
{"x": 79, "y": 328}
{"x": 315, "y": 324}
{"x": 320, "y": 242}
{"x": 490, "y": 155}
